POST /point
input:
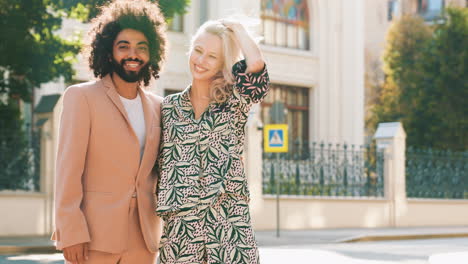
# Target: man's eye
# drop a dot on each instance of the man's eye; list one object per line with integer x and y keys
{"x": 143, "y": 48}
{"x": 123, "y": 47}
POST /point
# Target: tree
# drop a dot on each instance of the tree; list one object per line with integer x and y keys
{"x": 373, "y": 82}
{"x": 445, "y": 85}
{"x": 405, "y": 41}
{"x": 16, "y": 164}
{"x": 87, "y": 9}
{"x": 425, "y": 82}
{"x": 33, "y": 54}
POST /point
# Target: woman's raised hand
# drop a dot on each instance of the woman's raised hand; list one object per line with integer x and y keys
{"x": 250, "y": 50}
{"x": 232, "y": 25}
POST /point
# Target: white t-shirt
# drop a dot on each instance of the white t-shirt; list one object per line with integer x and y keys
{"x": 136, "y": 116}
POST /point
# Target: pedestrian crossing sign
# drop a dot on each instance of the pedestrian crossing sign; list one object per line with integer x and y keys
{"x": 275, "y": 138}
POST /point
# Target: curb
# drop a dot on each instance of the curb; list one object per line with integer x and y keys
{"x": 5, "y": 250}
{"x": 400, "y": 237}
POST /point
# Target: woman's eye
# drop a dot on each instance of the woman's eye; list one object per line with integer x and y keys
{"x": 212, "y": 56}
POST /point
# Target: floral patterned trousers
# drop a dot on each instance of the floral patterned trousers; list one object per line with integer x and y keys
{"x": 218, "y": 233}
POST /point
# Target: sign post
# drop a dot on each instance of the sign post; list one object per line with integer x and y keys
{"x": 275, "y": 138}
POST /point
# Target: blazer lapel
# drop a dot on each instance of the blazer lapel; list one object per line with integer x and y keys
{"x": 114, "y": 96}
{"x": 148, "y": 109}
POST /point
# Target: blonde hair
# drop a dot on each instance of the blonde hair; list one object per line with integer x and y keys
{"x": 221, "y": 86}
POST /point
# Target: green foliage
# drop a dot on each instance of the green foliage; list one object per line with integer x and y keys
{"x": 426, "y": 81}
{"x": 87, "y": 9}
{"x": 406, "y": 40}
{"x": 446, "y": 85}
{"x": 16, "y": 162}
{"x": 32, "y": 53}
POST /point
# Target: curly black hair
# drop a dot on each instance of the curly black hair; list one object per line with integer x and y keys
{"x": 139, "y": 15}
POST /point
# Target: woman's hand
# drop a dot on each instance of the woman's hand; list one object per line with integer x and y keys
{"x": 250, "y": 50}
{"x": 232, "y": 25}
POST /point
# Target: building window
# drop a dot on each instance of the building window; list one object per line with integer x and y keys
{"x": 296, "y": 104}
{"x": 176, "y": 24}
{"x": 392, "y": 9}
{"x": 430, "y": 9}
{"x": 286, "y": 23}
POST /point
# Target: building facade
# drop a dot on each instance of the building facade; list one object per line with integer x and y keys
{"x": 317, "y": 52}
{"x": 314, "y": 54}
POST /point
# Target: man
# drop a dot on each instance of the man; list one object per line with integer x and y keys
{"x": 109, "y": 141}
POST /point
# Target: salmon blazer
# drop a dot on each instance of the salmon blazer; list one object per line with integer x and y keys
{"x": 99, "y": 169}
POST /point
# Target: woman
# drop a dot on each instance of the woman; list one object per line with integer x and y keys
{"x": 202, "y": 193}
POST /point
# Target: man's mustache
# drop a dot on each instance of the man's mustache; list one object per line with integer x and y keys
{"x": 135, "y": 60}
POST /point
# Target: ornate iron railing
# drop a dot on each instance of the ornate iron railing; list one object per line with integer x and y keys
{"x": 325, "y": 170}
{"x": 436, "y": 174}
{"x": 19, "y": 161}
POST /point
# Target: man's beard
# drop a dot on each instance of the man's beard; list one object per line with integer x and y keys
{"x": 130, "y": 76}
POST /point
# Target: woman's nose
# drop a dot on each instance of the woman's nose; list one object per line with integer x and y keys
{"x": 200, "y": 59}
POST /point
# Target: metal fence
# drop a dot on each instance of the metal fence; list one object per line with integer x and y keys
{"x": 436, "y": 174}
{"x": 19, "y": 161}
{"x": 325, "y": 170}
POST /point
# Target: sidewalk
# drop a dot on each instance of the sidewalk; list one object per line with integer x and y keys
{"x": 25, "y": 244}
{"x": 349, "y": 235}
{"x": 268, "y": 239}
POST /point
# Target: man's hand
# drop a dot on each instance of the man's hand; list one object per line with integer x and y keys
{"x": 76, "y": 254}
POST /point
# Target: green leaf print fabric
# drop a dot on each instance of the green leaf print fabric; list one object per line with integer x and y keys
{"x": 200, "y": 159}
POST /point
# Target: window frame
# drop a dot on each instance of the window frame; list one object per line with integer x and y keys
{"x": 278, "y": 30}
{"x": 426, "y": 15}
{"x": 297, "y": 109}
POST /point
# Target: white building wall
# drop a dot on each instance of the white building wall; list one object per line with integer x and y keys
{"x": 352, "y": 70}
{"x": 23, "y": 213}
{"x": 338, "y": 101}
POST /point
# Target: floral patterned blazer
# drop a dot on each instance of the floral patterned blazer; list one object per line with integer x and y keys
{"x": 200, "y": 159}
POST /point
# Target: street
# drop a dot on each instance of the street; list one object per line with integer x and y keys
{"x": 384, "y": 252}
